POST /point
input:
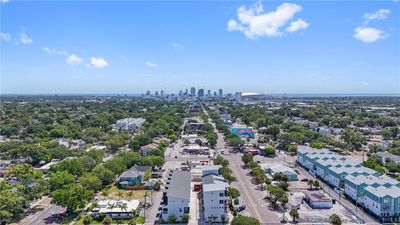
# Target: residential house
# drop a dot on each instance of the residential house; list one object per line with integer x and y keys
{"x": 215, "y": 198}
{"x": 355, "y": 185}
{"x": 129, "y": 124}
{"x": 132, "y": 177}
{"x": 176, "y": 196}
{"x": 116, "y": 209}
{"x": 383, "y": 202}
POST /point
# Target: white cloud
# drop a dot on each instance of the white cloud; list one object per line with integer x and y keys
{"x": 254, "y": 22}
{"x": 73, "y": 59}
{"x": 5, "y": 37}
{"x": 150, "y": 64}
{"x": 25, "y": 39}
{"x": 98, "y": 62}
{"x": 4, "y": 1}
{"x": 53, "y": 51}
{"x": 368, "y": 34}
{"x": 297, "y": 25}
{"x": 176, "y": 45}
{"x": 381, "y": 14}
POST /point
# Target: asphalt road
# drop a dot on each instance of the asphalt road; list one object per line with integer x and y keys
{"x": 256, "y": 205}
{"x": 46, "y": 216}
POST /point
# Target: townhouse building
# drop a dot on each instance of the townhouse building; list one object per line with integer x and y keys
{"x": 215, "y": 198}
{"x": 383, "y": 202}
{"x": 176, "y": 196}
{"x": 355, "y": 185}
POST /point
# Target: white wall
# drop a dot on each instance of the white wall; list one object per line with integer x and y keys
{"x": 212, "y": 206}
{"x": 175, "y": 207}
{"x": 372, "y": 206}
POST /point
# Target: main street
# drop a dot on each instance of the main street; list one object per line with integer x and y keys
{"x": 251, "y": 195}
{"x": 47, "y": 213}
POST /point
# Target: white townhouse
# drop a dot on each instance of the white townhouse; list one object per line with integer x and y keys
{"x": 176, "y": 196}
{"x": 215, "y": 198}
{"x": 355, "y": 185}
{"x": 129, "y": 124}
{"x": 383, "y": 202}
{"x": 337, "y": 174}
{"x": 322, "y": 166}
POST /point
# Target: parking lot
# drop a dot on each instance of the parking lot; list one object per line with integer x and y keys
{"x": 310, "y": 215}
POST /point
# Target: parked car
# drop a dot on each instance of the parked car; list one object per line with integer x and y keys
{"x": 241, "y": 208}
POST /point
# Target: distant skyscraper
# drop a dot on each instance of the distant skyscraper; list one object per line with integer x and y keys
{"x": 221, "y": 93}
{"x": 162, "y": 93}
{"x": 156, "y": 94}
{"x": 215, "y": 94}
{"x": 186, "y": 92}
{"x": 147, "y": 92}
{"x": 180, "y": 93}
{"x": 200, "y": 93}
{"x": 193, "y": 91}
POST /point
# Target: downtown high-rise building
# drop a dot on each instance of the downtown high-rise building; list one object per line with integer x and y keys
{"x": 193, "y": 91}
{"x": 221, "y": 93}
{"x": 208, "y": 93}
{"x": 186, "y": 92}
{"x": 156, "y": 94}
{"x": 200, "y": 93}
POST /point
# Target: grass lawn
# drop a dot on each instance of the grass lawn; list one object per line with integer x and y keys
{"x": 115, "y": 193}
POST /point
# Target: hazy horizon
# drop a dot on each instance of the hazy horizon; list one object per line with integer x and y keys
{"x": 300, "y": 47}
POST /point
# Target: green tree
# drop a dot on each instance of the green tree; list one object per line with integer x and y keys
{"x": 294, "y": 213}
{"x": 72, "y": 166}
{"x": 241, "y": 220}
{"x": 185, "y": 218}
{"x": 132, "y": 222}
{"x": 90, "y": 182}
{"x": 316, "y": 184}
{"x": 269, "y": 151}
{"x": 247, "y": 159}
{"x": 335, "y": 219}
{"x": 233, "y": 192}
{"x": 107, "y": 220}
{"x": 172, "y": 219}
{"x": 72, "y": 196}
{"x": 59, "y": 179}
{"x": 310, "y": 183}
{"x": 105, "y": 175}
{"x": 11, "y": 206}
{"x": 87, "y": 219}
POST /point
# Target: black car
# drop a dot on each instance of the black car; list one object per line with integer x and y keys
{"x": 241, "y": 208}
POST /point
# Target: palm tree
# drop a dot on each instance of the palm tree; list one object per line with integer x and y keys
{"x": 316, "y": 184}
{"x": 310, "y": 183}
{"x": 120, "y": 194}
{"x": 294, "y": 213}
{"x": 130, "y": 194}
{"x": 95, "y": 205}
{"x": 335, "y": 219}
{"x": 107, "y": 220}
{"x": 87, "y": 219}
{"x": 105, "y": 192}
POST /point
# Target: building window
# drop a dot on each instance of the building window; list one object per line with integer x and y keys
{"x": 221, "y": 201}
{"x": 221, "y": 194}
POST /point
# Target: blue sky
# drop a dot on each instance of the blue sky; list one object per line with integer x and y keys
{"x": 268, "y": 47}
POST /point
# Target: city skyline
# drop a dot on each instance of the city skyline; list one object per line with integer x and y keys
{"x": 274, "y": 47}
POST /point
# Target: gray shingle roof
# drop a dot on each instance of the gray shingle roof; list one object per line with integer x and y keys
{"x": 179, "y": 185}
